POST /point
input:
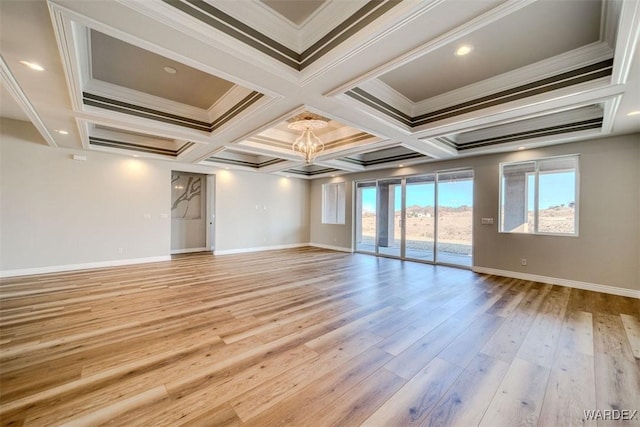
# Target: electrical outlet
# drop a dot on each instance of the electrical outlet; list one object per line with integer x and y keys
{"x": 523, "y": 261}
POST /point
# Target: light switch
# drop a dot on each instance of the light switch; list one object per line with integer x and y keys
{"x": 486, "y": 221}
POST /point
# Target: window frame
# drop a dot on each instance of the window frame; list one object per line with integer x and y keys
{"x": 339, "y": 203}
{"x": 536, "y": 215}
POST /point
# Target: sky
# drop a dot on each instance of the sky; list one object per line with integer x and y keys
{"x": 452, "y": 194}
{"x": 556, "y": 189}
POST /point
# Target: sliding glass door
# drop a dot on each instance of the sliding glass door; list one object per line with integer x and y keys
{"x": 455, "y": 217}
{"x": 423, "y": 218}
{"x": 366, "y": 216}
{"x": 420, "y": 217}
{"x": 390, "y": 217}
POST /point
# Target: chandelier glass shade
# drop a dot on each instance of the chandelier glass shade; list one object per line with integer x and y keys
{"x": 308, "y": 145}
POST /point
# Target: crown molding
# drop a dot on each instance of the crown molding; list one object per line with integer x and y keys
{"x": 389, "y": 95}
{"x": 626, "y": 41}
{"x": 432, "y": 148}
{"x": 275, "y": 26}
{"x": 472, "y": 25}
{"x": 13, "y": 87}
{"x": 534, "y": 142}
{"x": 216, "y": 39}
{"x": 583, "y": 94}
{"x": 543, "y": 121}
{"x": 67, "y": 37}
{"x": 315, "y": 27}
{"x": 610, "y": 16}
{"x": 398, "y": 16}
{"x": 375, "y": 114}
{"x": 142, "y": 99}
{"x": 577, "y": 58}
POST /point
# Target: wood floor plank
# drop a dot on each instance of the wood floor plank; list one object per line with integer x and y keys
{"x": 617, "y": 375}
{"x": 467, "y": 345}
{"x": 571, "y": 388}
{"x": 309, "y": 405}
{"x": 632, "y": 329}
{"x": 539, "y": 346}
{"x": 506, "y": 342}
{"x": 413, "y": 402}
{"x": 309, "y": 337}
{"x": 363, "y": 399}
{"x": 462, "y": 405}
{"x": 518, "y": 400}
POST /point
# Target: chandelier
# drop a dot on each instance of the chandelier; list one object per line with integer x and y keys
{"x": 308, "y": 145}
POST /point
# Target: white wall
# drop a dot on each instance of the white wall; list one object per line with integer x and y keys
{"x": 58, "y": 213}
{"x": 607, "y": 252}
{"x": 257, "y": 210}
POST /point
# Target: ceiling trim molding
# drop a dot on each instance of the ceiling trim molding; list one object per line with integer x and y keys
{"x": 562, "y": 100}
{"x": 405, "y": 13}
{"x": 324, "y": 17}
{"x": 66, "y": 33}
{"x": 234, "y": 28}
{"x": 128, "y": 108}
{"x": 144, "y": 100}
{"x": 13, "y": 87}
{"x": 531, "y": 134}
{"x": 225, "y": 23}
{"x": 560, "y": 81}
{"x": 585, "y": 74}
{"x": 483, "y": 20}
{"x": 102, "y": 102}
{"x": 244, "y": 163}
{"x": 561, "y": 138}
{"x": 383, "y": 160}
{"x": 368, "y": 13}
{"x": 274, "y": 25}
{"x": 610, "y": 110}
{"x": 428, "y": 147}
{"x": 123, "y": 145}
{"x": 567, "y": 62}
{"x": 308, "y": 174}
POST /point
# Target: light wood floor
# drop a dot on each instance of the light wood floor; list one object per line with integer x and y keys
{"x": 311, "y": 337}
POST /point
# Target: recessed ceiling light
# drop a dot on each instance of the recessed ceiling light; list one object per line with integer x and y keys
{"x": 136, "y": 155}
{"x": 32, "y": 65}
{"x": 400, "y": 166}
{"x": 170, "y": 70}
{"x": 522, "y": 148}
{"x": 634, "y": 113}
{"x": 463, "y": 50}
{"x": 61, "y": 131}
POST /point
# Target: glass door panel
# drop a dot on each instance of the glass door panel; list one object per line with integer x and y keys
{"x": 389, "y": 217}
{"x": 420, "y": 217}
{"x": 454, "y": 217}
{"x": 366, "y": 217}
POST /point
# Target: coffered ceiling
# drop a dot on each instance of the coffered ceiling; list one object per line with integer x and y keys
{"x": 215, "y": 82}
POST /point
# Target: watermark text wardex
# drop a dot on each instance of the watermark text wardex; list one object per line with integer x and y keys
{"x": 610, "y": 414}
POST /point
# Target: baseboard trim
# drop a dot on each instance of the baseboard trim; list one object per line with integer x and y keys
{"x": 613, "y": 290}
{"x": 259, "y": 249}
{"x": 332, "y": 248}
{"x": 83, "y": 266}
{"x": 188, "y": 251}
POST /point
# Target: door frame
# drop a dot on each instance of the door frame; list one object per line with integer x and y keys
{"x": 208, "y": 198}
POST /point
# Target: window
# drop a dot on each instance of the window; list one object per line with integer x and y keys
{"x": 540, "y": 196}
{"x": 333, "y": 203}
